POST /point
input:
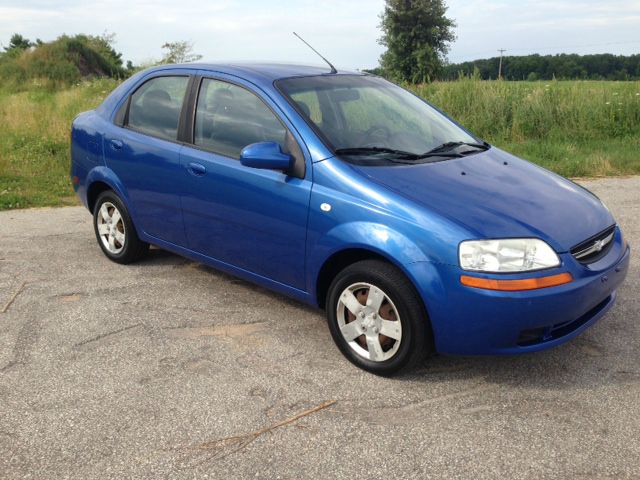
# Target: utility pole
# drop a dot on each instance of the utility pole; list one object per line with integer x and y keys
{"x": 502, "y": 50}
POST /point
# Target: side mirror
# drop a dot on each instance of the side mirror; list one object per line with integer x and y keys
{"x": 267, "y": 155}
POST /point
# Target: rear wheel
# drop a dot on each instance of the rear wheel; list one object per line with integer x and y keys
{"x": 114, "y": 230}
{"x": 377, "y": 318}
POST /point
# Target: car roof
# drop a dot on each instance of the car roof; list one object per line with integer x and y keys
{"x": 262, "y": 71}
{"x": 262, "y": 74}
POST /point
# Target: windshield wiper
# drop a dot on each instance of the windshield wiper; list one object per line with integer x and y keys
{"x": 448, "y": 148}
{"x": 375, "y": 151}
{"x": 441, "y": 151}
{"x": 397, "y": 154}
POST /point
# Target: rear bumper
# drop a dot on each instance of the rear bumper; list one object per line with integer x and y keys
{"x": 472, "y": 321}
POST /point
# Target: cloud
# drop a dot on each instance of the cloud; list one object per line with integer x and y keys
{"x": 344, "y": 31}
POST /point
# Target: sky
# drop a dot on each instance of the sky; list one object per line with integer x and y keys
{"x": 345, "y": 31}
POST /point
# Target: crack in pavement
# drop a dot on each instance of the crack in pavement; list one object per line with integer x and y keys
{"x": 105, "y": 335}
{"x": 13, "y": 297}
{"x": 25, "y": 341}
{"x": 408, "y": 412}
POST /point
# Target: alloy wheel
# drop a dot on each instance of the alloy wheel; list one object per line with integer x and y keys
{"x": 369, "y": 321}
{"x": 111, "y": 228}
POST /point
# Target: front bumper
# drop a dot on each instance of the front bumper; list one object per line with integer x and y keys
{"x": 472, "y": 321}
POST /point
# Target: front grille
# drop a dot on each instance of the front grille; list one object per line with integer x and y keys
{"x": 594, "y": 248}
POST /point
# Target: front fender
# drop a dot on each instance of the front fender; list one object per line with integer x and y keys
{"x": 374, "y": 237}
{"x": 424, "y": 273}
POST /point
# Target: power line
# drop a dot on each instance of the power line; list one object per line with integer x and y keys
{"x": 501, "y": 50}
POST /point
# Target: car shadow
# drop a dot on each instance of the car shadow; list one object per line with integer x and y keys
{"x": 158, "y": 257}
{"x": 581, "y": 363}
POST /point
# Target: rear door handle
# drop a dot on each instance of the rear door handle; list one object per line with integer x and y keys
{"x": 196, "y": 169}
{"x": 116, "y": 144}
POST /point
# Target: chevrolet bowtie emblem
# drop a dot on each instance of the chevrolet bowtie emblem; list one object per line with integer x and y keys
{"x": 595, "y": 247}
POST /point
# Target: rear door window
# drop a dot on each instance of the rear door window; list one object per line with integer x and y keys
{"x": 229, "y": 117}
{"x": 155, "y": 107}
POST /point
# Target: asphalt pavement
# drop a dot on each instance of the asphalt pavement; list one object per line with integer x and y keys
{"x": 170, "y": 369}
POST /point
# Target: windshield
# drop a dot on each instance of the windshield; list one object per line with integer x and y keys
{"x": 366, "y": 115}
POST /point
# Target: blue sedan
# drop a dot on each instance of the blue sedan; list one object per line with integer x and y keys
{"x": 345, "y": 191}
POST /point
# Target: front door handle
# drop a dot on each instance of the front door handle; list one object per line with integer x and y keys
{"x": 196, "y": 169}
{"x": 116, "y": 144}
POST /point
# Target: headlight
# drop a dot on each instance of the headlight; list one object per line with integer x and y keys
{"x": 507, "y": 255}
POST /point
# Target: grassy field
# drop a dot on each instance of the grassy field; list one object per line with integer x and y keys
{"x": 34, "y": 143}
{"x": 574, "y": 128}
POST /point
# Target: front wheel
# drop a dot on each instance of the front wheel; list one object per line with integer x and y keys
{"x": 377, "y": 318}
{"x": 114, "y": 230}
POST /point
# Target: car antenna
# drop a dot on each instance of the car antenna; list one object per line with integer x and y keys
{"x": 333, "y": 69}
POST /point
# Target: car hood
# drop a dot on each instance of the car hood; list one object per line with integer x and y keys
{"x": 496, "y": 195}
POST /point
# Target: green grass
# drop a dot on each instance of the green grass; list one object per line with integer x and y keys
{"x": 575, "y": 128}
{"x": 34, "y": 142}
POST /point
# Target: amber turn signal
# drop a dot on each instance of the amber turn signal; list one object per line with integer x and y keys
{"x": 516, "y": 285}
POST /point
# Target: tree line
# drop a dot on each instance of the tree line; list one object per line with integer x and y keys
{"x": 69, "y": 59}
{"x": 547, "y": 67}
{"x": 66, "y": 59}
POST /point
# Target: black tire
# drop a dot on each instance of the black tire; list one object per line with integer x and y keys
{"x": 416, "y": 336}
{"x": 132, "y": 248}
